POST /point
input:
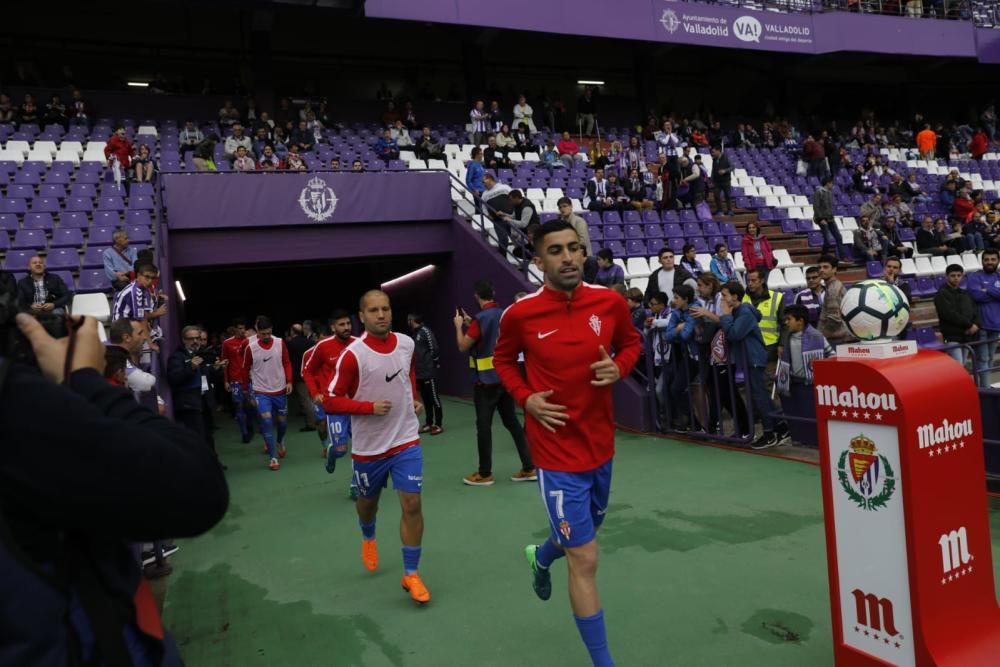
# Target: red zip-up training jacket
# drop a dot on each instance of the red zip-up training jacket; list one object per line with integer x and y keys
{"x": 560, "y": 336}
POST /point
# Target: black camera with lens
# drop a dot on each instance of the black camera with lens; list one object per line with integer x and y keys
{"x": 13, "y": 345}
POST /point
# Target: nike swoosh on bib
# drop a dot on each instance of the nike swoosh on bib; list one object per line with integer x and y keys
{"x": 389, "y": 378}
{"x": 547, "y": 334}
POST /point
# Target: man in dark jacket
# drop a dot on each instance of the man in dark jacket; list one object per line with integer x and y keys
{"x": 957, "y": 312}
{"x": 823, "y": 217}
{"x": 668, "y": 276}
{"x": 298, "y": 344}
{"x": 722, "y": 175}
{"x": 42, "y": 291}
{"x": 187, "y": 374}
{"x": 426, "y": 365}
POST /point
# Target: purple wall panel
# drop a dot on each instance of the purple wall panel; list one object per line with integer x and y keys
{"x": 197, "y": 201}
{"x": 885, "y": 34}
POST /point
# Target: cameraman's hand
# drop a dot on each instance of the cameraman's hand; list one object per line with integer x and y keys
{"x": 51, "y": 352}
{"x": 197, "y": 361}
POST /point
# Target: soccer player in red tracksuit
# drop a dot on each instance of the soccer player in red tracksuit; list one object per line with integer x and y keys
{"x": 318, "y": 366}
{"x": 566, "y": 330}
{"x": 233, "y": 352}
{"x": 267, "y": 366}
{"x": 375, "y": 382}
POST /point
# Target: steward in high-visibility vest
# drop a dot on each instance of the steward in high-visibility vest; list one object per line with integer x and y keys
{"x": 769, "y": 304}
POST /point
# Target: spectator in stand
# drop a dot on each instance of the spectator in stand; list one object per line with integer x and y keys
{"x": 898, "y": 187}
{"x": 608, "y": 273}
{"x": 721, "y": 180}
{"x": 667, "y": 140}
{"x": 229, "y": 116}
{"x": 268, "y": 160}
{"x": 427, "y": 148}
{"x": 119, "y": 260}
{"x": 266, "y": 123}
{"x": 28, "y": 111}
{"x": 7, "y": 110}
{"x": 679, "y": 333}
{"x": 474, "y": 173}
{"x": 586, "y": 112}
{"x": 144, "y": 165}
{"x": 357, "y": 165}
{"x": 757, "y": 252}
{"x": 189, "y": 137}
{"x": 41, "y": 291}
{"x": 479, "y": 117}
{"x": 746, "y": 345}
{"x": 566, "y": 213}
{"x": 409, "y": 115}
{"x": 811, "y": 298}
{"x": 522, "y": 139}
{"x": 494, "y": 157}
{"x": 984, "y": 287}
{"x": 79, "y": 110}
{"x": 689, "y": 260}
{"x": 980, "y": 144}
{"x": 426, "y": 365}
{"x": 120, "y": 148}
{"x": 769, "y": 304}
{"x": 916, "y": 193}
{"x": 132, "y": 336}
{"x": 668, "y": 276}
{"x": 523, "y": 113}
{"x": 496, "y": 117}
{"x": 243, "y": 162}
{"x": 633, "y": 296}
{"x": 304, "y": 136}
{"x": 505, "y": 140}
{"x": 251, "y": 117}
{"x": 387, "y": 148}
{"x": 598, "y": 197}
{"x": 260, "y": 140}
{"x": 892, "y": 241}
{"x": 55, "y": 113}
{"x": 568, "y": 149}
{"x": 285, "y": 112}
{"x": 831, "y": 321}
{"x": 963, "y": 209}
{"x": 632, "y": 158}
{"x": 137, "y": 301}
{"x": 928, "y": 239}
{"x": 899, "y": 210}
{"x": 280, "y": 143}
{"x": 203, "y": 157}
{"x": 722, "y": 266}
{"x": 801, "y": 345}
{"x": 869, "y": 244}
{"x": 550, "y": 157}
{"x": 390, "y": 115}
{"x": 617, "y": 193}
{"x": 959, "y": 318}
{"x": 989, "y": 119}
{"x": 692, "y": 177}
{"x": 893, "y": 270}
{"x": 235, "y": 140}
{"x": 294, "y": 161}
{"x": 872, "y": 209}
{"x": 814, "y": 157}
{"x": 496, "y": 196}
{"x": 927, "y": 141}
{"x": 947, "y": 194}
{"x": 635, "y": 190}
{"x": 524, "y": 216}
{"x": 823, "y": 217}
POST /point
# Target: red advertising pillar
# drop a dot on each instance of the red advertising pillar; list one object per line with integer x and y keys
{"x": 907, "y": 527}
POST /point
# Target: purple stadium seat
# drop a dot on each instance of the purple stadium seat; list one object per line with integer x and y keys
{"x": 17, "y": 206}
{"x": 138, "y": 218}
{"x": 93, "y": 256}
{"x": 612, "y": 218}
{"x": 21, "y": 191}
{"x": 8, "y": 222}
{"x": 45, "y": 205}
{"x": 545, "y": 217}
{"x": 710, "y": 228}
{"x": 25, "y": 239}
{"x": 875, "y": 269}
{"x": 923, "y": 287}
{"x": 93, "y": 280}
{"x": 676, "y": 244}
{"x": 17, "y": 260}
{"x": 110, "y": 203}
{"x": 107, "y": 218}
{"x": 714, "y": 241}
{"x": 687, "y": 215}
{"x": 595, "y": 233}
{"x": 92, "y": 177}
{"x": 88, "y": 190}
{"x": 815, "y": 239}
{"x": 77, "y": 219}
{"x": 52, "y": 190}
{"x": 616, "y": 247}
{"x": 692, "y": 229}
{"x": 633, "y": 232}
{"x": 653, "y": 246}
{"x": 699, "y": 243}
{"x": 727, "y": 229}
{"x": 79, "y": 204}
{"x": 927, "y": 338}
{"x": 36, "y": 166}
{"x": 62, "y": 175}
{"x": 100, "y": 235}
{"x": 67, "y": 277}
{"x": 66, "y": 237}
{"x": 652, "y": 231}
{"x": 38, "y": 221}
{"x": 113, "y": 190}
{"x": 789, "y": 227}
{"x": 4, "y": 241}
{"x": 63, "y": 258}
{"x": 139, "y": 234}
{"x": 735, "y": 242}
{"x": 141, "y": 189}
{"x": 673, "y": 230}
{"x": 636, "y": 248}
{"x": 612, "y": 232}
{"x": 631, "y": 217}
{"x": 651, "y": 217}
{"x": 591, "y": 218}
{"x": 27, "y": 178}
{"x": 140, "y": 203}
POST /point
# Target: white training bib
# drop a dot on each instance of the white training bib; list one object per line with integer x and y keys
{"x": 384, "y": 377}
{"x": 268, "y": 371}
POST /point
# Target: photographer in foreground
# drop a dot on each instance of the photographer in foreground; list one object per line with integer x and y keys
{"x": 86, "y": 472}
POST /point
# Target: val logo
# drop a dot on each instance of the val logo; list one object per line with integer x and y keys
{"x": 747, "y": 29}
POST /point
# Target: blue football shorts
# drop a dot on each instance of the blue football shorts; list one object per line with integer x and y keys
{"x": 576, "y": 503}
{"x": 338, "y": 427}
{"x": 406, "y": 469}
{"x": 276, "y": 405}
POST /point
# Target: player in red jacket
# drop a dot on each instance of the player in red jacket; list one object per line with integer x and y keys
{"x": 318, "y": 367}
{"x": 567, "y": 330}
{"x": 233, "y": 352}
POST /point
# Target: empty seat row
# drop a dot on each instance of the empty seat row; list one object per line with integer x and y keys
{"x": 36, "y": 239}
{"x": 73, "y": 219}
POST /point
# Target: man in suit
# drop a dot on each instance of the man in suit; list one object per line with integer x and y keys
{"x": 187, "y": 373}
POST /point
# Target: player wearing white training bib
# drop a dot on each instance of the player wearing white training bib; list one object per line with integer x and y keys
{"x": 375, "y": 383}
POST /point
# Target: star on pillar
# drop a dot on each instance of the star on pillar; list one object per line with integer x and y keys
{"x": 886, "y": 640}
{"x": 876, "y": 637}
{"x": 951, "y": 577}
{"x": 833, "y": 413}
{"x": 843, "y": 413}
{"x": 930, "y": 452}
{"x": 867, "y": 634}
{"x": 897, "y": 644}
{"x": 855, "y": 414}
{"x": 856, "y": 629}
{"x": 970, "y": 569}
{"x": 944, "y": 581}
{"x": 939, "y": 451}
{"x": 878, "y": 416}
{"x": 868, "y": 415}
{"x": 961, "y": 443}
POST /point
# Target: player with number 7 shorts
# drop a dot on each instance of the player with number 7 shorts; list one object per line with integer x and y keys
{"x": 568, "y": 332}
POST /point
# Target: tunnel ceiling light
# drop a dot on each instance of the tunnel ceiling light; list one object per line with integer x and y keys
{"x": 589, "y": 82}
{"x": 408, "y": 276}
{"x": 138, "y": 84}
{"x": 180, "y": 291}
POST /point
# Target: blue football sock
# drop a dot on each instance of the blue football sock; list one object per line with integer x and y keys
{"x": 241, "y": 419}
{"x": 267, "y": 430}
{"x": 282, "y": 427}
{"x": 411, "y": 559}
{"x": 595, "y": 638}
{"x": 367, "y": 529}
{"x": 547, "y": 553}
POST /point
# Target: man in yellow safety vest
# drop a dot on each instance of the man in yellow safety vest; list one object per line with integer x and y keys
{"x": 770, "y": 304}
